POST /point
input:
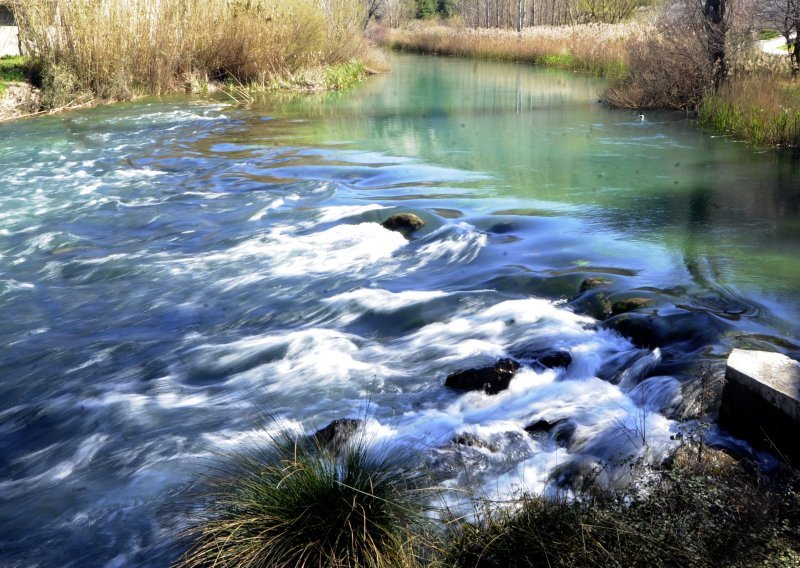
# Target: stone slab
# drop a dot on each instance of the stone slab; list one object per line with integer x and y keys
{"x": 761, "y": 400}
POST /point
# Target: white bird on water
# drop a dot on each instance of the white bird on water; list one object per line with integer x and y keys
{"x": 641, "y": 118}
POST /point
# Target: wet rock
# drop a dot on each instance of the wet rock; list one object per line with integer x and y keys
{"x": 561, "y": 430}
{"x": 491, "y": 379}
{"x": 630, "y": 305}
{"x": 555, "y": 359}
{"x": 405, "y": 223}
{"x": 337, "y": 433}
{"x": 761, "y": 400}
{"x": 592, "y": 283}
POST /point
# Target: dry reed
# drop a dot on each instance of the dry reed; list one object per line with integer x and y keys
{"x": 115, "y": 49}
{"x": 595, "y": 48}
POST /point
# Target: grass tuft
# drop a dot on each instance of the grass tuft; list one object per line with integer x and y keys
{"x": 298, "y": 503}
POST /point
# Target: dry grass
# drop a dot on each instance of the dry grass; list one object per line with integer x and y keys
{"x": 116, "y": 49}
{"x": 595, "y": 48}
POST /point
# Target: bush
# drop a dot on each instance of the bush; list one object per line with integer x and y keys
{"x": 298, "y": 503}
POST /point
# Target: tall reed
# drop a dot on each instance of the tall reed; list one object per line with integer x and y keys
{"x": 114, "y": 49}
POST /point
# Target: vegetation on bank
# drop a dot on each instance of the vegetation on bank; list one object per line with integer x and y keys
{"x": 301, "y": 503}
{"x": 118, "y": 49}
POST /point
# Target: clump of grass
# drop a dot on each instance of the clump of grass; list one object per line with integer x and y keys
{"x": 599, "y": 49}
{"x": 762, "y": 116}
{"x": 117, "y": 49}
{"x": 299, "y": 503}
{"x": 708, "y": 513}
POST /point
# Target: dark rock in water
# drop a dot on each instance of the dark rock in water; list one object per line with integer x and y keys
{"x": 561, "y": 430}
{"x": 691, "y": 331}
{"x": 593, "y": 282}
{"x": 405, "y": 223}
{"x": 337, "y": 433}
{"x": 630, "y": 305}
{"x": 555, "y": 359}
{"x": 761, "y": 400}
{"x": 491, "y": 379}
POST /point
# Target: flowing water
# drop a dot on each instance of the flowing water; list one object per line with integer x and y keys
{"x": 171, "y": 271}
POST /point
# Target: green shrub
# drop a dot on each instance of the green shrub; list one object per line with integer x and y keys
{"x": 297, "y": 503}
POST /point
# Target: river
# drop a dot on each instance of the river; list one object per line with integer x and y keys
{"x": 174, "y": 270}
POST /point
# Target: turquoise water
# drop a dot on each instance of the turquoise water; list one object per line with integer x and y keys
{"x": 173, "y": 270}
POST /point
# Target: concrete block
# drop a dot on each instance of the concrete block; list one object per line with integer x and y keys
{"x": 761, "y": 401}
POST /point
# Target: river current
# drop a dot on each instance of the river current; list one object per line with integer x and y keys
{"x": 173, "y": 271}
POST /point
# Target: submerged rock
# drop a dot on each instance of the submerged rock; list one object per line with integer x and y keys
{"x": 548, "y": 359}
{"x": 555, "y": 359}
{"x": 405, "y": 223}
{"x": 690, "y": 331}
{"x": 337, "y": 433}
{"x": 491, "y": 379}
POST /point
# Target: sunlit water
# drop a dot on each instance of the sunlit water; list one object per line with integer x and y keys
{"x": 172, "y": 271}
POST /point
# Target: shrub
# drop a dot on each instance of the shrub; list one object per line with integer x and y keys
{"x": 298, "y": 503}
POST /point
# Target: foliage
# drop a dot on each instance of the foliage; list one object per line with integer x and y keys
{"x": 299, "y": 503}
{"x": 116, "y": 49}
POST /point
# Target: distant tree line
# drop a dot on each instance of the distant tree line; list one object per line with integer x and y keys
{"x": 507, "y": 13}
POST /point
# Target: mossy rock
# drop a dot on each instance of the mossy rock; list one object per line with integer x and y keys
{"x": 630, "y": 305}
{"x": 594, "y": 282}
{"x": 404, "y": 223}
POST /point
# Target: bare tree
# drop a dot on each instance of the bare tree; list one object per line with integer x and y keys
{"x": 784, "y": 16}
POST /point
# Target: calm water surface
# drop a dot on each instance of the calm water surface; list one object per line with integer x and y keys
{"x": 173, "y": 270}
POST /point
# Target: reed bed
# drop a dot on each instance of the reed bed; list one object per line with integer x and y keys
{"x": 758, "y": 109}
{"x": 600, "y": 49}
{"x": 116, "y": 49}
